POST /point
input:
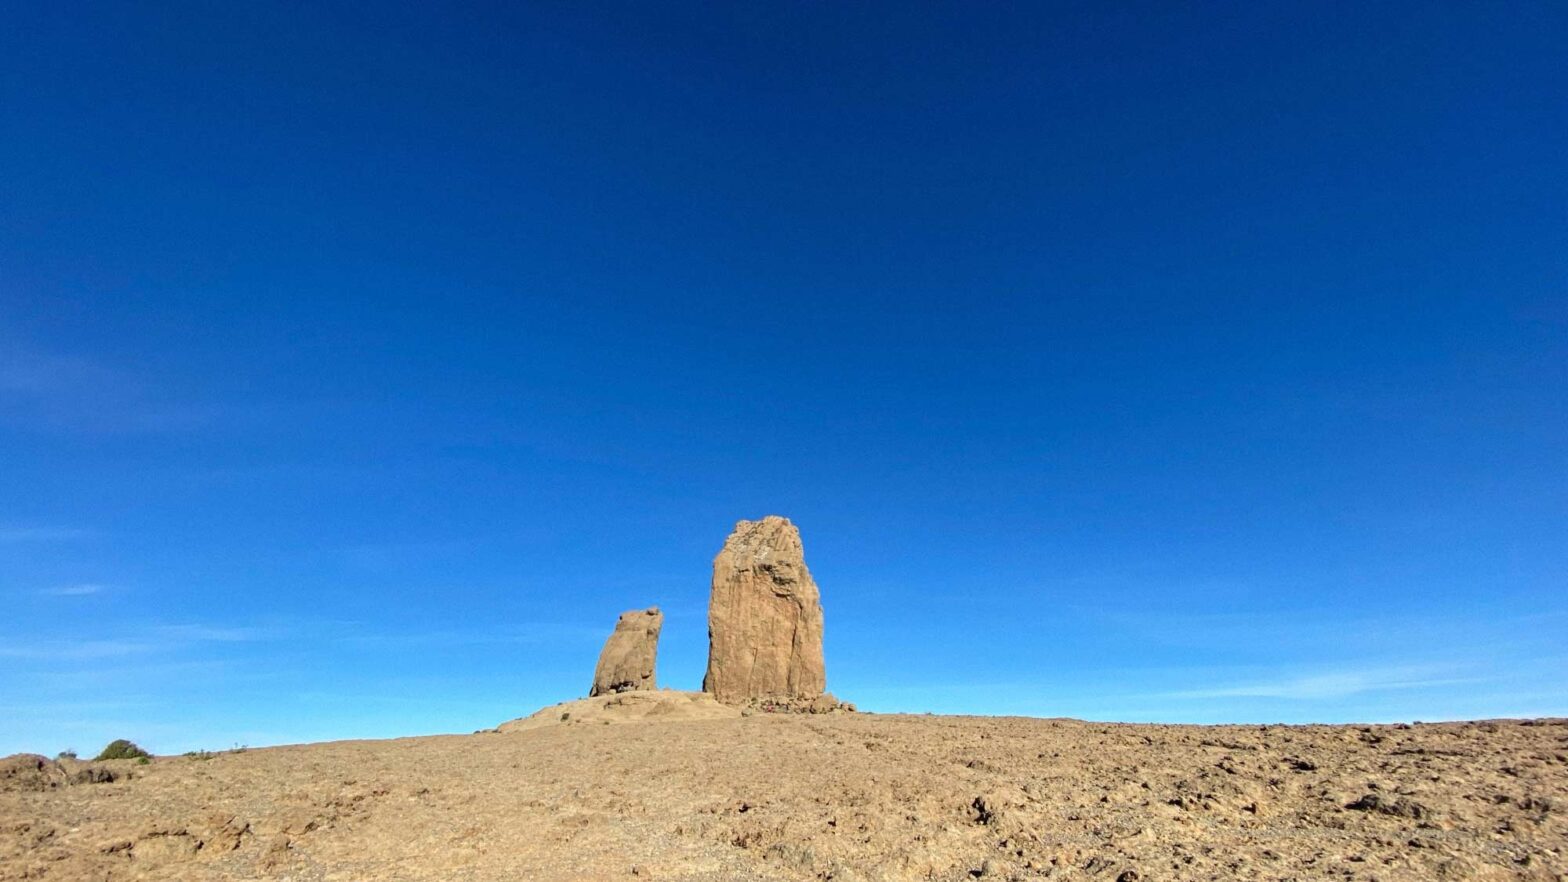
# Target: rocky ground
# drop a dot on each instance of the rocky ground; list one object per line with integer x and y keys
{"x": 697, "y": 794}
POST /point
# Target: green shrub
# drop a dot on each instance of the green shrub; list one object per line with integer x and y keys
{"x": 122, "y": 749}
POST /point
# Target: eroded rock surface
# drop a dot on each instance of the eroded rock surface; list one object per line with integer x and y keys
{"x": 764, "y": 617}
{"x": 627, "y": 662}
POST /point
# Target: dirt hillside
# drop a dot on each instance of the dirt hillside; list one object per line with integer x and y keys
{"x": 677, "y": 796}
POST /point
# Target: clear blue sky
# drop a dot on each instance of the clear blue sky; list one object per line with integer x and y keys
{"x": 1138, "y": 363}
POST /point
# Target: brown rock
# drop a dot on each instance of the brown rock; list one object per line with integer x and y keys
{"x": 826, "y": 703}
{"x": 29, "y": 771}
{"x": 93, "y": 775}
{"x": 764, "y": 617}
{"x": 626, "y": 664}
{"x": 1398, "y": 807}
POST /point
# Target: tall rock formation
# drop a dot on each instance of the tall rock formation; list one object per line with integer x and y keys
{"x": 626, "y": 664}
{"x": 764, "y": 617}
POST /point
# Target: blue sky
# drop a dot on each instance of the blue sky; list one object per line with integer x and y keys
{"x": 1133, "y": 363}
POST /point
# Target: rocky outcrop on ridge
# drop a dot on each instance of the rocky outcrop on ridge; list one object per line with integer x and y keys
{"x": 657, "y": 706}
{"x": 826, "y": 703}
{"x": 31, "y": 772}
{"x": 627, "y": 662}
{"x": 764, "y": 617}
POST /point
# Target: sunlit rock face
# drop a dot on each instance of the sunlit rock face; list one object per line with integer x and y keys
{"x": 626, "y": 664}
{"x": 764, "y": 617}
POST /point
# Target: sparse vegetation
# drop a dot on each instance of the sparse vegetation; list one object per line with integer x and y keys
{"x": 122, "y": 749}
{"x": 209, "y": 754}
{"x": 67, "y": 754}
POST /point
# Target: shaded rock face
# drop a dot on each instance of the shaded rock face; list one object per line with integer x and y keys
{"x": 626, "y": 664}
{"x": 764, "y": 617}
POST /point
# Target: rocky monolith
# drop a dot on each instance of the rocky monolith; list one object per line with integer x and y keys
{"x": 764, "y": 617}
{"x": 626, "y": 664}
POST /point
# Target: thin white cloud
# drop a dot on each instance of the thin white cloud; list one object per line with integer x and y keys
{"x": 1328, "y": 685}
{"x": 197, "y": 633}
{"x": 66, "y": 708}
{"x": 522, "y": 634}
{"x": 40, "y": 534}
{"x": 150, "y": 667}
{"x": 1317, "y": 635}
{"x": 85, "y": 589}
{"x": 75, "y": 650}
{"x": 27, "y": 371}
{"x": 146, "y": 640}
{"x": 52, "y": 391}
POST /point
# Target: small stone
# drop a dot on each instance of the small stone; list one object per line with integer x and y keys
{"x": 1398, "y": 807}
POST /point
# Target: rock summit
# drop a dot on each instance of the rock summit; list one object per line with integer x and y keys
{"x": 764, "y": 617}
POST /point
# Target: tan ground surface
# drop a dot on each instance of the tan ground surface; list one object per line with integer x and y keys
{"x": 827, "y": 797}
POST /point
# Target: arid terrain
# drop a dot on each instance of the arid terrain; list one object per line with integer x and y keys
{"x": 674, "y": 787}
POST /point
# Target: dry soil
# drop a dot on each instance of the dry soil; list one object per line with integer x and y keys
{"x": 689, "y": 793}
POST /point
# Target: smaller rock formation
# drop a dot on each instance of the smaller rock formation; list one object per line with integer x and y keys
{"x": 626, "y": 664}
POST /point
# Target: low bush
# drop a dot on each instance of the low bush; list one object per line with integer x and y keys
{"x": 122, "y": 749}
